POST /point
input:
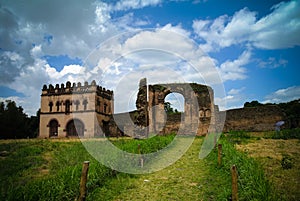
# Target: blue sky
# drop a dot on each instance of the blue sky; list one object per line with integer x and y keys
{"x": 246, "y": 50}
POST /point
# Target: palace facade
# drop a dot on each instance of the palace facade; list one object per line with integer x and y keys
{"x": 82, "y": 110}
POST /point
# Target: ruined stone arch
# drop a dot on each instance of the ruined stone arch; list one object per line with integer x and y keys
{"x": 197, "y": 99}
{"x": 175, "y": 99}
{"x": 157, "y": 94}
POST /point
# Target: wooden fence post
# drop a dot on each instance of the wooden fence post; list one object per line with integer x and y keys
{"x": 234, "y": 179}
{"x": 219, "y": 154}
{"x": 215, "y": 141}
{"x": 83, "y": 180}
{"x": 141, "y": 158}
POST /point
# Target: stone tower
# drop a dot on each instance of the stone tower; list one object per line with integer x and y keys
{"x": 77, "y": 110}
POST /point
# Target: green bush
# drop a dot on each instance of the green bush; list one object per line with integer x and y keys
{"x": 286, "y": 162}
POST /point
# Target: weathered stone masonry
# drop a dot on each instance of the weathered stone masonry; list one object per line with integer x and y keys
{"x": 87, "y": 111}
{"x": 150, "y": 116}
{"x": 75, "y": 110}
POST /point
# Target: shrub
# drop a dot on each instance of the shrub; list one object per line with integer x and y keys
{"x": 286, "y": 162}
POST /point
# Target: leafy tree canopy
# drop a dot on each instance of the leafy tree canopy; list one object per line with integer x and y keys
{"x": 169, "y": 109}
{"x": 14, "y": 123}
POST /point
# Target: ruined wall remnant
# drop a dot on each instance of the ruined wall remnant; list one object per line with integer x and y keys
{"x": 150, "y": 116}
{"x": 87, "y": 110}
{"x": 261, "y": 118}
{"x": 199, "y": 110}
{"x": 142, "y": 105}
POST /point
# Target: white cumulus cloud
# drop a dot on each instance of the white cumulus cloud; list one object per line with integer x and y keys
{"x": 283, "y": 95}
{"x": 235, "y": 70}
{"x": 279, "y": 29}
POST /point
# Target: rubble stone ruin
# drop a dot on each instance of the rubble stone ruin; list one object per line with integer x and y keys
{"x": 199, "y": 109}
{"x": 88, "y": 111}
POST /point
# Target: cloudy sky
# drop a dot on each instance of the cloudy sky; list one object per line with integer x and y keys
{"x": 245, "y": 50}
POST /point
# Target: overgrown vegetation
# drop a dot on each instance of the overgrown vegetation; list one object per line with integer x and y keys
{"x": 150, "y": 145}
{"x": 51, "y": 169}
{"x": 46, "y": 170}
{"x": 252, "y": 183}
{"x": 279, "y": 159}
{"x": 286, "y": 134}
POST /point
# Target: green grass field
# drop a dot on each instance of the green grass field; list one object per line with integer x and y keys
{"x": 48, "y": 169}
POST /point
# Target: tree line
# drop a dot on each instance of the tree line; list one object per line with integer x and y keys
{"x": 15, "y": 124}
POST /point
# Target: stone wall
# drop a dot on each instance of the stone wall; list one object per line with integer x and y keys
{"x": 261, "y": 118}
{"x": 92, "y": 105}
{"x": 173, "y": 123}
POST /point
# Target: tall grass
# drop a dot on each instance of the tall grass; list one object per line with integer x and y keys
{"x": 286, "y": 134}
{"x": 50, "y": 170}
{"x": 252, "y": 182}
{"x": 26, "y": 174}
{"x": 149, "y": 145}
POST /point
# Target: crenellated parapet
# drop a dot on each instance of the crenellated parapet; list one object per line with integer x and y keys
{"x": 105, "y": 93}
{"x": 78, "y": 88}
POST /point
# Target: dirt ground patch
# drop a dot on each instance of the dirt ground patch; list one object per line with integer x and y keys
{"x": 270, "y": 153}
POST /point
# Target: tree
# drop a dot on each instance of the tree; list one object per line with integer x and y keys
{"x": 252, "y": 104}
{"x": 168, "y": 108}
{"x": 292, "y": 111}
{"x": 14, "y": 123}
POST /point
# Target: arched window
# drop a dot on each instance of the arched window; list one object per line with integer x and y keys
{"x": 201, "y": 113}
{"x": 57, "y": 106}
{"x": 85, "y": 104}
{"x": 50, "y": 106}
{"x": 77, "y": 104}
{"x": 105, "y": 108}
{"x": 67, "y": 104}
{"x": 207, "y": 113}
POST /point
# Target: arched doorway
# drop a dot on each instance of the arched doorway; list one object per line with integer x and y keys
{"x": 191, "y": 95}
{"x": 174, "y": 109}
{"x": 75, "y": 127}
{"x": 53, "y": 128}
{"x": 174, "y": 103}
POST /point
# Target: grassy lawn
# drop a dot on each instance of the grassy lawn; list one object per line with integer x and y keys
{"x": 181, "y": 181}
{"x": 270, "y": 153}
{"x": 39, "y": 169}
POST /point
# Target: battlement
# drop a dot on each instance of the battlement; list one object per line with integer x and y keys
{"x": 76, "y": 89}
